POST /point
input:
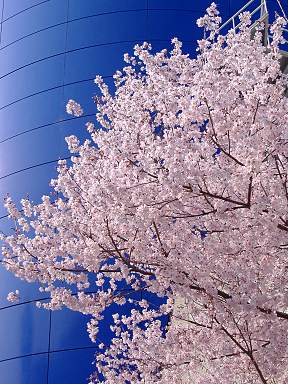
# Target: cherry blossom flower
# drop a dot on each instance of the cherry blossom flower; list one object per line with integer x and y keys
{"x": 74, "y": 108}
{"x": 181, "y": 194}
{"x": 13, "y": 297}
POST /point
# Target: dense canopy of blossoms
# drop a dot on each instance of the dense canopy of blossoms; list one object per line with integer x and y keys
{"x": 181, "y": 192}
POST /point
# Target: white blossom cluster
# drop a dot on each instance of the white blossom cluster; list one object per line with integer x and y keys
{"x": 74, "y": 108}
{"x": 211, "y": 21}
{"x": 13, "y": 297}
{"x": 183, "y": 193}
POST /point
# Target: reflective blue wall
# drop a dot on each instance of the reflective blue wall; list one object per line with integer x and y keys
{"x": 50, "y": 52}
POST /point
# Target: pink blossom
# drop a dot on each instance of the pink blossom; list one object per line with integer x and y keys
{"x": 182, "y": 195}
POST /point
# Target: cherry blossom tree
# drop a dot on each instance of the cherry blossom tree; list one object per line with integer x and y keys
{"x": 180, "y": 193}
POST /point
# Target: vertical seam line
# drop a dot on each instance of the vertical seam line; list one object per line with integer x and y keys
{"x": 2, "y": 14}
{"x": 48, "y": 352}
{"x": 65, "y": 56}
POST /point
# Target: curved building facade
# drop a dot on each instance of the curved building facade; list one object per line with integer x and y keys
{"x": 50, "y": 51}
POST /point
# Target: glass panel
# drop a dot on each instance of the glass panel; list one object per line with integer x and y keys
{"x": 107, "y": 28}
{"x": 72, "y": 127}
{"x": 83, "y": 92}
{"x": 39, "y": 146}
{"x": 199, "y": 6}
{"x": 8, "y": 283}
{"x": 24, "y": 329}
{"x": 34, "y": 19}
{"x": 44, "y": 108}
{"x": 164, "y": 25}
{"x": 14, "y": 6}
{"x": 65, "y": 323}
{"x": 104, "y": 60}
{"x": 71, "y": 367}
{"x": 32, "y": 79}
{"x": 234, "y": 6}
{"x": 23, "y": 183}
{"x": 30, "y": 149}
{"x": 273, "y": 6}
{"x": 27, "y": 370}
{"x": 33, "y": 48}
{"x": 91, "y": 7}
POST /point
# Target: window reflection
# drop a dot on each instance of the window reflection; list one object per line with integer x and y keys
{"x": 8, "y": 282}
{"x": 46, "y": 109}
{"x": 71, "y": 367}
{"x": 16, "y": 341}
{"x": 36, "y": 47}
{"x": 90, "y": 7}
{"x": 32, "y": 370}
{"x": 32, "y": 20}
{"x": 65, "y": 323}
{"x": 97, "y": 30}
{"x": 14, "y": 7}
{"x": 198, "y": 6}
{"x": 104, "y": 60}
{"x": 23, "y": 183}
{"x": 170, "y": 23}
{"x": 30, "y": 80}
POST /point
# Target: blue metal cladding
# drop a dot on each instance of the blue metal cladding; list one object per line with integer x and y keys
{"x": 50, "y": 51}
